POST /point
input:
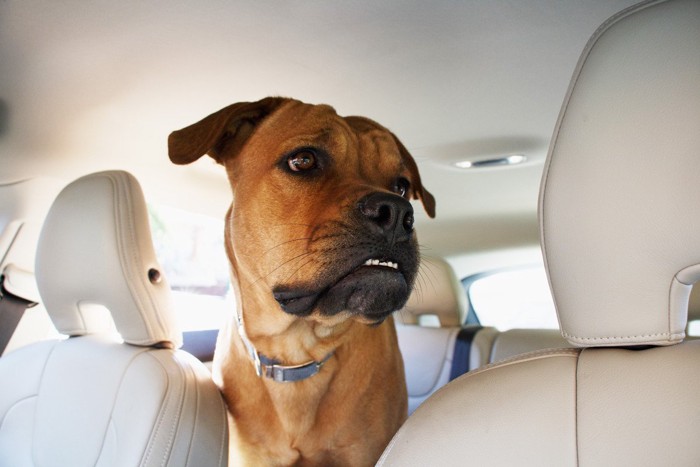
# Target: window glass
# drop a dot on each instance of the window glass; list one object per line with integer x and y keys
{"x": 693, "y": 329}
{"x": 190, "y": 249}
{"x": 516, "y": 298}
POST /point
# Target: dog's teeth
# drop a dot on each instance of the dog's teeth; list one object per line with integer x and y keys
{"x": 376, "y": 262}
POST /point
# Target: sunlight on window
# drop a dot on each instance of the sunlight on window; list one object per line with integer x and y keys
{"x": 190, "y": 248}
{"x": 514, "y": 299}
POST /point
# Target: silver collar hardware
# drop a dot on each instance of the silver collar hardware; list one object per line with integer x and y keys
{"x": 290, "y": 373}
{"x": 271, "y": 368}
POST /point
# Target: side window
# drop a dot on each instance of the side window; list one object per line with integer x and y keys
{"x": 513, "y": 298}
{"x": 190, "y": 248}
{"x": 693, "y": 329}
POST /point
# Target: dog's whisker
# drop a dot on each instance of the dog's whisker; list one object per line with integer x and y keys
{"x": 432, "y": 276}
{"x": 419, "y": 286}
{"x": 428, "y": 280}
{"x": 423, "y": 248}
{"x": 298, "y": 269}
{"x": 298, "y": 257}
{"x": 285, "y": 243}
{"x": 320, "y": 252}
{"x": 327, "y": 236}
{"x": 298, "y": 224}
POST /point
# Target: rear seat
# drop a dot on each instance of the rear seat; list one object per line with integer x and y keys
{"x": 427, "y": 355}
{"x": 437, "y": 348}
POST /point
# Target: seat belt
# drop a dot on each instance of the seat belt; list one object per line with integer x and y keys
{"x": 12, "y": 308}
{"x": 460, "y": 356}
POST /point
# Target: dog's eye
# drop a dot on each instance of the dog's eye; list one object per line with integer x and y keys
{"x": 301, "y": 161}
{"x": 401, "y": 186}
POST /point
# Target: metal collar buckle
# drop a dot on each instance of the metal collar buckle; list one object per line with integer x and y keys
{"x": 287, "y": 374}
{"x": 271, "y": 368}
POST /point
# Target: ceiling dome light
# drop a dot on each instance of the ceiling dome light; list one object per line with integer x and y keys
{"x": 503, "y": 161}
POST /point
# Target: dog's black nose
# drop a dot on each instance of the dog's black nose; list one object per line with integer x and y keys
{"x": 391, "y": 213}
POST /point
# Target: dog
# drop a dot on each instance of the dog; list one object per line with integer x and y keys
{"x": 322, "y": 249}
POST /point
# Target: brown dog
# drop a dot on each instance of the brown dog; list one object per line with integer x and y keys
{"x": 322, "y": 248}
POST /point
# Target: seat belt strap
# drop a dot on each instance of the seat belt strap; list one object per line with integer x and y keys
{"x": 12, "y": 308}
{"x": 460, "y": 356}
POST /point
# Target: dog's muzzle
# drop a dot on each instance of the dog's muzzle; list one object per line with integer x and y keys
{"x": 372, "y": 274}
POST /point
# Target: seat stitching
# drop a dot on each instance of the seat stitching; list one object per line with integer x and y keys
{"x": 171, "y": 399}
{"x": 661, "y": 334}
{"x": 198, "y": 396}
{"x": 576, "y": 394}
{"x": 41, "y": 379}
{"x": 536, "y": 355}
{"x": 116, "y": 396}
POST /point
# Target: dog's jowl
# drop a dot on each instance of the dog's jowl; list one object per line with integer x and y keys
{"x": 322, "y": 249}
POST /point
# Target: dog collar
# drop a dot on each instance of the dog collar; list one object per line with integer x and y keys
{"x": 271, "y": 368}
{"x": 287, "y": 374}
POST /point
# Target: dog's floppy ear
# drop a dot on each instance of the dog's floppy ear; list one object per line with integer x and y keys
{"x": 419, "y": 191}
{"x": 221, "y": 134}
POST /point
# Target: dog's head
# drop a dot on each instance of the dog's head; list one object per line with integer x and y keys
{"x": 321, "y": 218}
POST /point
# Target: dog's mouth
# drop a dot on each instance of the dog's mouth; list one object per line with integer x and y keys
{"x": 374, "y": 289}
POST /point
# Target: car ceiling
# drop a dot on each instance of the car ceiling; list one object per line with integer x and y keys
{"x": 87, "y": 86}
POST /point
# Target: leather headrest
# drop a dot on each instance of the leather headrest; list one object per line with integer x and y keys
{"x": 437, "y": 292}
{"x": 95, "y": 253}
{"x": 620, "y": 197}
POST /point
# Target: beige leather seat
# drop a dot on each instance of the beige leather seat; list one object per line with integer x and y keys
{"x": 619, "y": 214}
{"x": 101, "y": 398}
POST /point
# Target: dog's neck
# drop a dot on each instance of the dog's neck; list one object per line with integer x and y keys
{"x": 272, "y": 368}
{"x": 284, "y": 339}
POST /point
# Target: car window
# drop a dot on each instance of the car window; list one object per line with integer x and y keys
{"x": 513, "y": 298}
{"x": 190, "y": 249}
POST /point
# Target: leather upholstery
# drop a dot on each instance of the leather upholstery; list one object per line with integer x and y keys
{"x": 427, "y": 355}
{"x": 619, "y": 209}
{"x": 95, "y": 401}
{"x": 483, "y": 418}
{"x": 105, "y": 263}
{"x": 562, "y": 407}
{"x": 620, "y": 189}
{"x": 513, "y": 342}
{"x": 98, "y": 399}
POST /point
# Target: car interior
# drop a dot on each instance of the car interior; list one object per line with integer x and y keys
{"x": 553, "y": 320}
